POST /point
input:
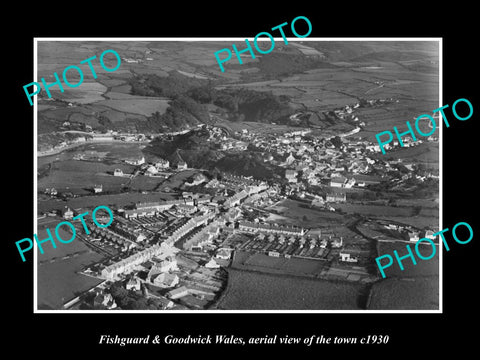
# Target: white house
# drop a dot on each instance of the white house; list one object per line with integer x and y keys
{"x": 349, "y": 184}
{"x": 68, "y": 214}
{"x": 136, "y": 161}
{"x": 162, "y": 164}
{"x": 140, "y": 237}
{"x": 337, "y": 242}
{"x": 212, "y": 264}
{"x": 413, "y": 236}
{"x": 178, "y": 293}
{"x": 182, "y": 165}
{"x": 133, "y": 284}
{"x": 347, "y": 257}
{"x": 291, "y": 176}
{"x": 166, "y": 265}
{"x": 429, "y": 235}
{"x": 337, "y": 182}
{"x": 151, "y": 170}
{"x": 166, "y": 280}
{"x": 118, "y": 172}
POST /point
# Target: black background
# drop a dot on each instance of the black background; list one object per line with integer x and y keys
{"x": 64, "y": 335}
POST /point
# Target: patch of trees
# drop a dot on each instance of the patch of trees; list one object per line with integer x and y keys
{"x": 337, "y": 142}
{"x": 245, "y": 104}
{"x": 248, "y": 165}
{"x": 104, "y": 121}
{"x": 191, "y": 96}
{"x": 194, "y": 140}
{"x": 182, "y": 111}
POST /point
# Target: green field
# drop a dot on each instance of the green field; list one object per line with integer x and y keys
{"x": 59, "y": 280}
{"x": 300, "y": 214}
{"x": 86, "y": 93}
{"x": 138, "y": 106}
{"x": 80, "y": 176}
{"x": 256, "y": 291}
{"x": 422, "y": 268}
{"x": 375, "y": 210}
{"x": 176, "y": 180}
{"x": 281, "y": 265}
{"x": 405, "y": 294}
{"x": 426, "y": 218}
{"x": 92, "y": 201}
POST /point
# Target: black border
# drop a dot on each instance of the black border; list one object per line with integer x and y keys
{"x": 78, "y": 334}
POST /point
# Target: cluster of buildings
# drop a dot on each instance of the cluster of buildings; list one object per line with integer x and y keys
{"x": 127, "y": 265}
{"x": 204, "y": 236}
{"x": 195, "y": 222}
{"x": 190, "y": 225}
{"x": 220, "y": 137}
{"x": 314, "y": 161}
{"x": 154, "y": 208}
{"x": 270, "y": 228}
{"x": 190, "y": 230}
{"x": 289, "y": 243}
{"x": 409, "y": 233}
{"x": 248, "y": 192}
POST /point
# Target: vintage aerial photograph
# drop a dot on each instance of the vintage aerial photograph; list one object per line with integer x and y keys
{"x": 260, "y": 187}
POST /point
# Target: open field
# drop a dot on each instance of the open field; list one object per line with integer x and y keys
{"x": 114, "y": 152}
{"x": 297, "y": 213}
{"x": 422, "y": 268}
{"x": 123, "y": 89}
{"x": 375, "y": 210}
{"x": 405, "y": 294}
{"x": 145, "y": 183}
{"x": 251, "y": 291}
{"x": 58, "y": 281}
{"x": 64, "y": 113}
{"x": 110, "y": 83}
{"x": 86, "y": 93}
{"x": 426, "y": 218}
{"x": 137, "y": 106}
{"x": 300, "y": 214}
{"x": 176, "y": 180}
{"x": 281, "y": 265}
{"x": 426, "y": 153}
{"x": 118, "y": 107}
{"x": 80, "y": 176}
{"x": 92, "y": 201}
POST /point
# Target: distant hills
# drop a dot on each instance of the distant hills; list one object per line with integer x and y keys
{"x": 171, "y": 86}
{"x": 359, "y": 51}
